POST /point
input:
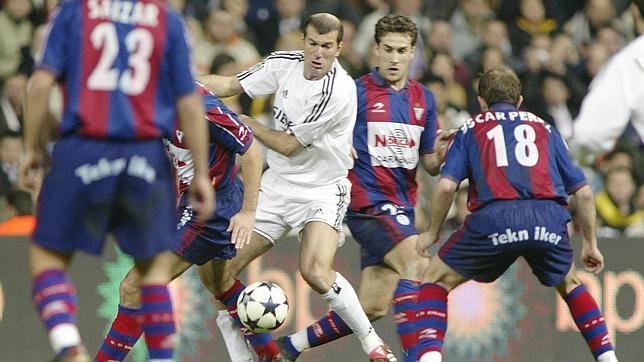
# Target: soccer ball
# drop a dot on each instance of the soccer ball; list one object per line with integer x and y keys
{"x": 262, "y": 307}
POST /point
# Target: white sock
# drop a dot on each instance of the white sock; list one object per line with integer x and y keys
{"x": 300, "y": 340}
{"x": 342, "y": 299}
{"x": 233, "y": 338}
{"x": 608, "y": 356}
{"x": 431, "y": 356}
{"x": 64, "y": 335}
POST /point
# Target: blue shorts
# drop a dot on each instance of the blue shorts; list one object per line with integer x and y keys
{"x": 200, "y": 242}
{"x": 492, "y": 238}
{"x": 378, "y": 229}
{"x": 96, "y": 187}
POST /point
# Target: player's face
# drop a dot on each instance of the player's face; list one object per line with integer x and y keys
{"x": 394, "y": 54}
{"x": 320, "y": 51}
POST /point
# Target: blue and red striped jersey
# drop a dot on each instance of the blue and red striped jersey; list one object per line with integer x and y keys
{"x": 392, "y": 130}
{"x": 509, "y": 154}
{"x": 123, "y": 64}
{"x": 228, "y": 137}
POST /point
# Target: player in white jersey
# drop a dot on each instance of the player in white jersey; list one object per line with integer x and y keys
{"x": 616, "y": 97}
{"x": 306, "y": 185}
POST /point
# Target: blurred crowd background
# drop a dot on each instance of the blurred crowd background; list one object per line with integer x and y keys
{"x": 556, "y": 47}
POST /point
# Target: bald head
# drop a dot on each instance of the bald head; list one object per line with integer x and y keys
{"x": 324, "y": 23}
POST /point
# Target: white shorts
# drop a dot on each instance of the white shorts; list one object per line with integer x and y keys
{"x": 283, "y": 206}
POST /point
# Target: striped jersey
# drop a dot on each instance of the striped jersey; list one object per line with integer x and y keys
{"x": 392, "y": 130}
{"x": 509, "y": 154}
{"x": 123, "y": 65}
{"x": 319, "y": 113}
{"x": 228, "y": 137}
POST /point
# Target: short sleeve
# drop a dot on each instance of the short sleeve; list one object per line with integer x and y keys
{"x": 228, "y": 131}
{"x": 456, "y": 161}
{"x": 341, "y": 105}
{"x": 571, "y": 175}
{"x": 179, "y": 56}
{"x": 53, "y": 55}
{"x": 428, "y": 136}
{"x": 263, "y": 77}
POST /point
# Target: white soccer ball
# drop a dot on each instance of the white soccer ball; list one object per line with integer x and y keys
{"x": 262, "y": 307}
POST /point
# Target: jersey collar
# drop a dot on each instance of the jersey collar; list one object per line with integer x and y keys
{"x": 502, "y": 106}
{"x": 375, "y": 75}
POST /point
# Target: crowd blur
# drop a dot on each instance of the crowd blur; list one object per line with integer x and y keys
{"x": 556, "y": 47}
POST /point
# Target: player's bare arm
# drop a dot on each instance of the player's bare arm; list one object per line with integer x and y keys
{"x": 278, "y": 141}
{"x": 441, "y": 202}
{"x": 590, "y": 254}
{"x": 36, "y": 109}
{"x": 193, "y": 124}
{"x": 241, "y": 225}
{"x": 222, "y": 86}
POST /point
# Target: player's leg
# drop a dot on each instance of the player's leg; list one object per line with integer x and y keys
{"x": 431, "y": 316}
{"x": 126, "y": 329}
{"x": 317, "y": 252}
{"x": 219, "y": 276}
{"x": 55, "y": 300}
{"x": 375, "y": 302}
{"x": 409, "y": 266}
{"x": 587, "y": 316}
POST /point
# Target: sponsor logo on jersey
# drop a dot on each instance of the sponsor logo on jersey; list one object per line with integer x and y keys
{"x": 378, "y": 108}
{"x": 393, "y": 144}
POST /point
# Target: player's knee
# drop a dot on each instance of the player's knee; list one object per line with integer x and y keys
{"x": 570, "y": 282}
{"x": 317, "y": 276}
{"x": 130, "y": 291}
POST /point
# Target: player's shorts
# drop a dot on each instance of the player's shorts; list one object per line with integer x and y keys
{"x": 97, "y": 186}
{"x": 283, "y": 205}
{"x": 492, "y": 238}
{"x": 201, "y": 242}
{"x": 378, "y": 229}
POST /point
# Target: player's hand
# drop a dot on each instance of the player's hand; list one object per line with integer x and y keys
{"x": 30, "y": 172}
{"x": 425, "y": 241}
{"x": 202, "y": 197}
{"x": 592, "y": 258}
{"x": 441, "y": 144}
{"x": 241, "y": 227}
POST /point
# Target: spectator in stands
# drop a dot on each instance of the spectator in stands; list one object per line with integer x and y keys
{"x": 11, "y": 150}
{"x": 556, "y": 108}
{"x": 351, "y": 61}
{"x": 468, "y": 22}
{"x": 15, "y": 35}
{"x": 495, "y": 35}
{"x": 221, "y": 37}
{"x": 616, "y": 204}
{"x": 364, "y": 38}
{"x": 448, "y": 115}
{"x": 290, "y": 15}
{"x": 238, "y": 10}
{"x": 586, "y": 23}
{"x": 442, "y": 65}
{"x": 531, "y": 21}
{"x": 611, "y": 39}
{"x": 21, "y": 220}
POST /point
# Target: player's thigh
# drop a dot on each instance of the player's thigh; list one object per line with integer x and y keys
{"x": 216, "y": 275}
{"x": 156, "y": 270}
{"x": 319, "y": 243}
{"x": 405, "y": 260}
{"x": 41, "y": 259}
{"x": 376, "y": 301}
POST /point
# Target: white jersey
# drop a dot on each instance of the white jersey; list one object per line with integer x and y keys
{"x": 319, "y": 113}
{"x": 616, "y": 97}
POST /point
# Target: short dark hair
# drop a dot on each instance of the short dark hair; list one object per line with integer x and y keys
{"x": 324, "y": 23}
{"x": 396, "y": 24}
{"x": 499, "y": 84}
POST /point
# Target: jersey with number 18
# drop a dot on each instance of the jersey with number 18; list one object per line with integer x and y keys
{"x": 122, "y": 64}
{"x": 509, "y": 154}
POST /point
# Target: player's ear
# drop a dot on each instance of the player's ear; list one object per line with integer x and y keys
{"x": 519, "y": 101}
{"x": 482, "y": 104}
{"x": 340, "y": 45}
